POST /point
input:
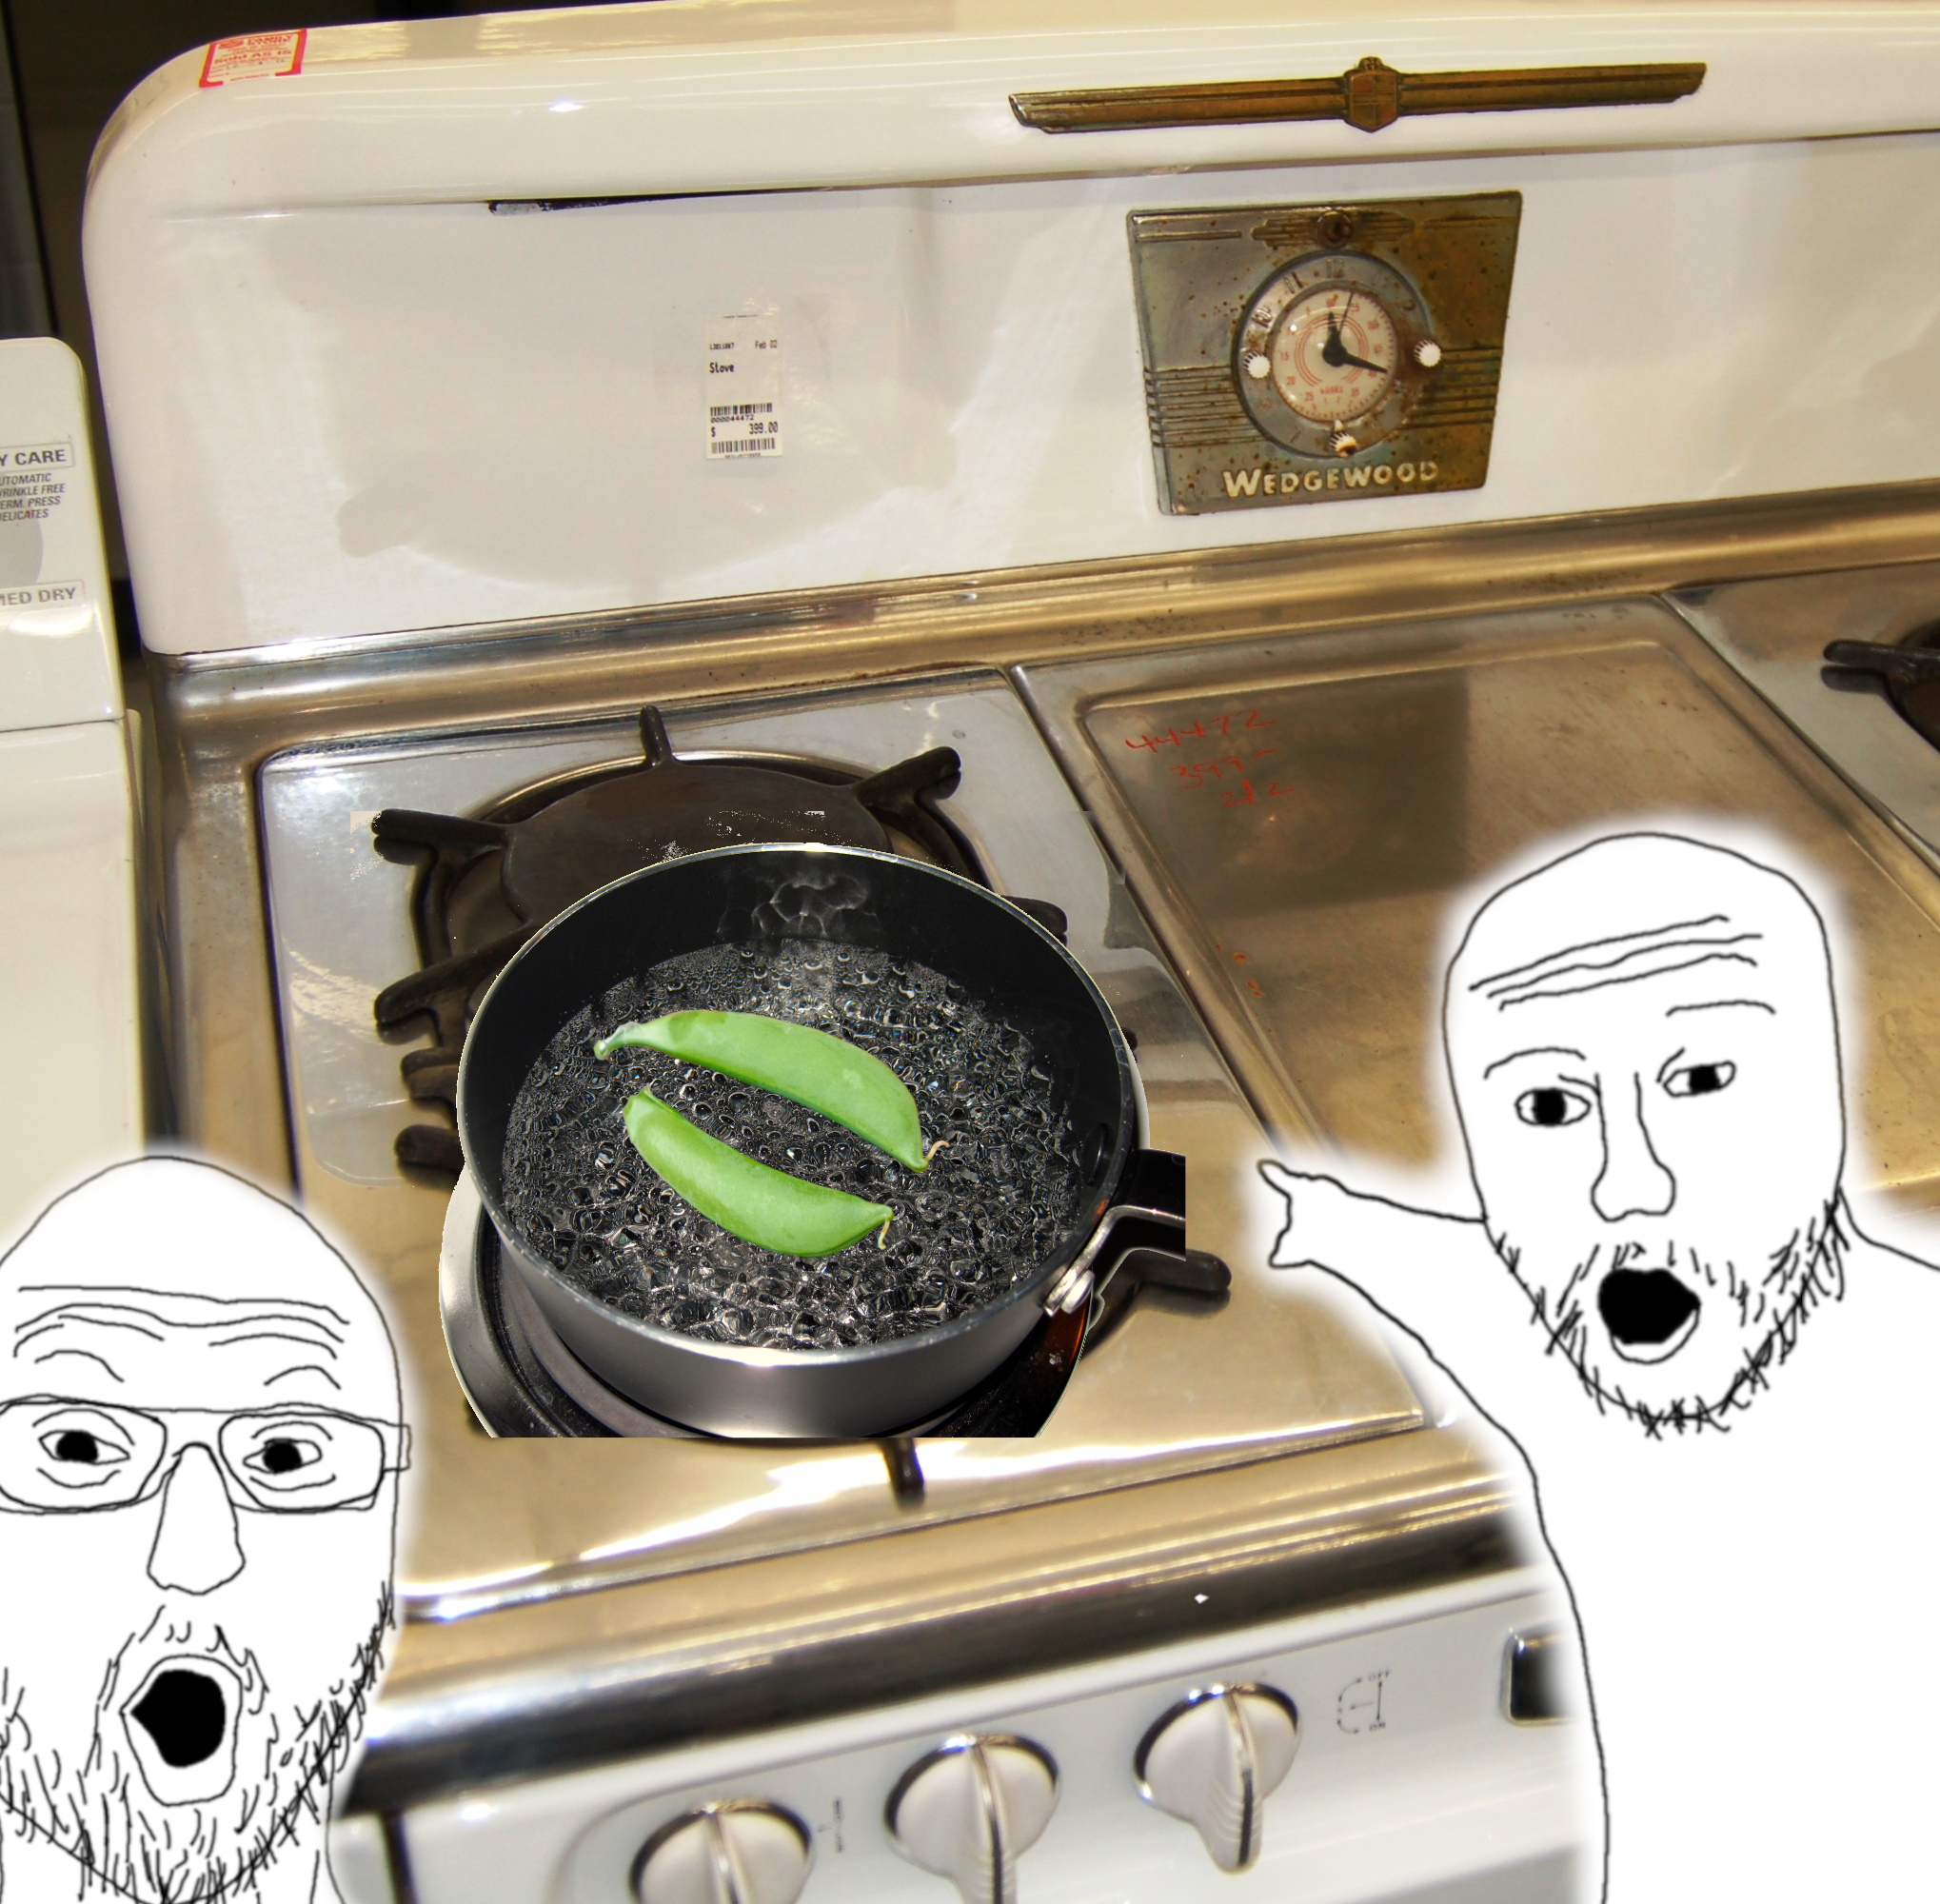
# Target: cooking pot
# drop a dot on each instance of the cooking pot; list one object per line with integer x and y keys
{"x": 912, "y": 912}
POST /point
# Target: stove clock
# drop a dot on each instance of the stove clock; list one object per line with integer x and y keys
{"x": 1322, "y": 354}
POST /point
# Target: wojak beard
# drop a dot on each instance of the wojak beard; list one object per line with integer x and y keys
{"x": 126, "y": 1845}
{"x": 1766, "y": 1313}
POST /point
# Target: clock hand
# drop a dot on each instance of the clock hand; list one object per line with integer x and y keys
{"x": 1334, "y": 353}
{"x": 1348, "y": 357}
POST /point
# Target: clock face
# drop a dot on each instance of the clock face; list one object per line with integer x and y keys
{"x": 1333, "y": 354}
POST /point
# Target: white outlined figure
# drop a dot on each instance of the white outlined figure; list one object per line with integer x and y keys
{"x": 1722, "y": 1387}
{"x": 200, "y": 1443}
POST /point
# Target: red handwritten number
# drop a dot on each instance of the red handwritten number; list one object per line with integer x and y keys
{"x": 1221, "y": 725}
{"x": 1196, "y": 773}
{"x": 1243, "y": 798}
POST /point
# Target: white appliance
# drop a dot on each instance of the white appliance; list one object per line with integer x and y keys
{"x": 69, "y": 1017}
{"x": 413, "y": 340}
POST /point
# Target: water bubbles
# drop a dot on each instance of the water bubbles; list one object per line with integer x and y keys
{"x": 996, "y": 1199}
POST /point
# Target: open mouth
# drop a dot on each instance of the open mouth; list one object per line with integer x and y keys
{"x": 1649, "y": 1314}
{"x": 182, "y": 1724}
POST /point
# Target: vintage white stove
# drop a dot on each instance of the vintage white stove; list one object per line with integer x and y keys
{"x": 1263, "y": 441}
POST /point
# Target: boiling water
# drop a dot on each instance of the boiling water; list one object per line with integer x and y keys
{"x": 991, "y": 1207}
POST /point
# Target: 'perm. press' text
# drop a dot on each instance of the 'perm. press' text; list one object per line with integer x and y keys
{"x": 1367, "y": 476}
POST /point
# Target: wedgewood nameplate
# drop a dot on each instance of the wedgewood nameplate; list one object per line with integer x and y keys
{"x": 1320, "y": 353}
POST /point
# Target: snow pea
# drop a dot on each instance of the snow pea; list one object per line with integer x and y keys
{"x": 827, "y": 1075}
{"x": 765, "y": 1207}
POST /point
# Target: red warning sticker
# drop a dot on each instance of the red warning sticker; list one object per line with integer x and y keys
{"x": 254, "y": 56}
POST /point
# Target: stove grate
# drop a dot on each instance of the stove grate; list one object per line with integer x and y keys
{"x": 486, "y": 884}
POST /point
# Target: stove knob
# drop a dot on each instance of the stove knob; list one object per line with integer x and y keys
{"x": 971, "y": 1809}
{"x": 742, "y": 1852}
{"x": 1213, "y": 1760}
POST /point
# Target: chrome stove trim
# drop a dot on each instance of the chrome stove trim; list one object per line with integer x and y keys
{"x": 789, "y": 1638}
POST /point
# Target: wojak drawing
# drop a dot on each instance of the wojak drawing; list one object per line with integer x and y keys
{"x": 200, "y": 1444}
{"x": 1720, "y": 1381}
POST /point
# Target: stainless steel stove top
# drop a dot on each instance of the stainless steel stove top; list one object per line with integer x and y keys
{"x": 1202, "y": 1469}
{"x": 1302, "y": 815}
{"x": 1172, "y": 1388}
{"x": 1776, "y": 633}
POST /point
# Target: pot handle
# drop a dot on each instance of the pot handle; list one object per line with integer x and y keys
{"x": 1152, "y": 1185}
{"x": 1146, "y": 1219}
{"x": 1191, "y": 1272}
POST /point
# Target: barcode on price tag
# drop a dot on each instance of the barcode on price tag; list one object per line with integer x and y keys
{"x": 744, "y": 385}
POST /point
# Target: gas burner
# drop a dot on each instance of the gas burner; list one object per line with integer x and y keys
{"x": 488, "y": 881}
{"x": 526, "y": 1383}
{"x": 1908, "y": 672}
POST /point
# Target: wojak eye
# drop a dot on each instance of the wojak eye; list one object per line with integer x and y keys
{"x": 1550, "y": 1105}
{"x": 1696, "y": 1081}
{"x": 82, "y": 1447}
{"x": 283, "y": 1455}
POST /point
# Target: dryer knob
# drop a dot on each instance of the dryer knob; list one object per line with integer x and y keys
{"x": 970, "y": 1808}
{"x": 1213, "y": 1758}
{"x": 742, "y": 1852}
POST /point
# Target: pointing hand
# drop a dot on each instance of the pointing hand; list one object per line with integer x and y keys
{"x": 1311, "y": 1201}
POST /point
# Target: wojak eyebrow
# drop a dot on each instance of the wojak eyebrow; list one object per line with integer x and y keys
{"x": 1620, "y": 960}
{"x": 1538, "y": 1051}
{"x": 147, "y": 1311}
{"x": 1726, "y": 1005}
{"x": 302, "y": 1369}
{"x": 84, "y": 1356}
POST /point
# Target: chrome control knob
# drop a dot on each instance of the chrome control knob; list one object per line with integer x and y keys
{"x": 1213, "y": 1760}
{"x": 970, "y": 1808}
{"x": 743, "y": 1852}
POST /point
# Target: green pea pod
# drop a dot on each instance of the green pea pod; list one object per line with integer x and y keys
{"x": 765, "y": 1207}
{"x": 828, "y": 1075}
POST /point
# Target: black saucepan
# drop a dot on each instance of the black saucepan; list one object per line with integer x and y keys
{"x": 903, "y": 908}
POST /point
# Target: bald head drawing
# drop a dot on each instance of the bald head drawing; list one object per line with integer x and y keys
{"x": 200, "y": 1439}
{"x": 1645, "y": 1058}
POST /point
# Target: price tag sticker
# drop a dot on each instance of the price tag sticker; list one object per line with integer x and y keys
{"x": 254, "y": 56}
{"x": 743, "y": 381}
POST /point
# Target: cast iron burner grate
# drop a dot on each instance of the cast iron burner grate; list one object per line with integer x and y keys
{"x": 1908, "y": 672}
{"x": 486, "y": 884}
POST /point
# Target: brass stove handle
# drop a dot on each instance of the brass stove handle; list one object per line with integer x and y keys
{"x": 1368, "y": 97}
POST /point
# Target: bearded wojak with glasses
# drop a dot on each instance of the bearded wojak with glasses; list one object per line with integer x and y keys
{"x": 200, "y": 1443}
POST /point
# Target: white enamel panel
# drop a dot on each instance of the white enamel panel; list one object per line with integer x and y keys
{"x": 713, "y": 95}
{"x": 71, "y": 1100}
{"x": 57, "y": 661}
{"x": 343, "y": 421}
